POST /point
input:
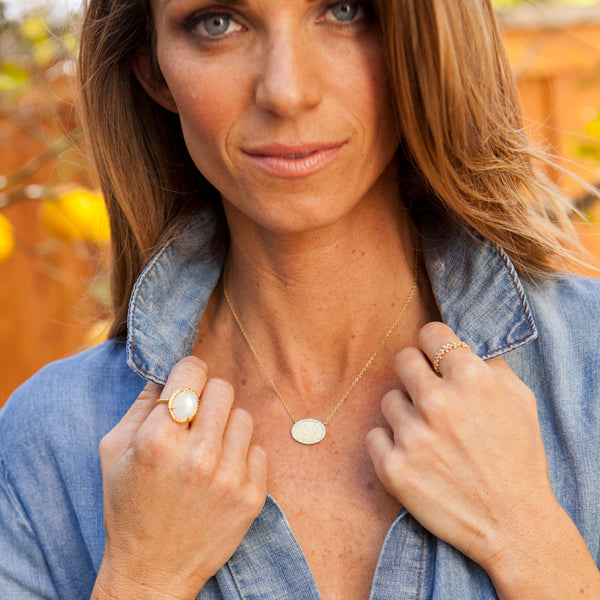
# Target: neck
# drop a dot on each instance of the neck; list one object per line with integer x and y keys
{"x": 315, "y": 305}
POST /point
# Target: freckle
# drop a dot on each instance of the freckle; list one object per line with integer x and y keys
{"x": 244, "y": 382}
{"x": 370, "y": 486}
{"x": 353, "y": 336}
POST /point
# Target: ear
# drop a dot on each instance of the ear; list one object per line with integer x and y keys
{"x": 147, "y": 72}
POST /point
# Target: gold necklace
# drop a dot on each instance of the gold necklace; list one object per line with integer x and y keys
{"x": 312, "y": 431}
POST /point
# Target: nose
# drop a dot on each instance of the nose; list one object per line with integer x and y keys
{"x": 288, "y": 79}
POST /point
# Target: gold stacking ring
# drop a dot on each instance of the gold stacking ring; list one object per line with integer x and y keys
{"x": 183, "y": 405}
{"x": 444, "y": 350}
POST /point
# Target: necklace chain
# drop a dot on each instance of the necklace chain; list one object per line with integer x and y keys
{"x": 365, "y": 367}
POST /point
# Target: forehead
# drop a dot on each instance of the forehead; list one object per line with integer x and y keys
{"x": 162, "y": 4}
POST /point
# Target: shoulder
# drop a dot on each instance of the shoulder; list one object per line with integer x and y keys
{"x": 569, "y": 289}
{"x": 50, "y": 472}
{"x": 567, "y": 307}
{"x": 104, "y": 360}
{"x": 74, "y": 399}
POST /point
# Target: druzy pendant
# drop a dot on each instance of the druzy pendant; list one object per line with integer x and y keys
{"x": 308, "y": 431}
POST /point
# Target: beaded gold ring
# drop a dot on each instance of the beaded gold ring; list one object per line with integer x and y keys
{"x": 444, "y": 350}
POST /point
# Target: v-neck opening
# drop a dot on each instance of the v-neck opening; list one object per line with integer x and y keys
{"x": 270, "y": 562}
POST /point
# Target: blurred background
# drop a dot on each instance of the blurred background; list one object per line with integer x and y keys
{"x": 53, "y": 228}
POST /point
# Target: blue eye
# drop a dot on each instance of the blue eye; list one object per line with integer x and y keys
{"x": 216, "y": 25}
{"x": 212, "y": 25}
{"x": 345, "y": 11}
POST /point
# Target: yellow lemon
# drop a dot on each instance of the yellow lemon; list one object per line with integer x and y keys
{"x": 7, "y": 238}
{"x": 593, "y": 128}
{"x": 34, "y": 29}
{"x": 45, "y": 53}
{"x": 77, "y": 215}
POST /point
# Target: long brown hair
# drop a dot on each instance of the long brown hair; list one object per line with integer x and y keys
{"x": 458, "y": 116}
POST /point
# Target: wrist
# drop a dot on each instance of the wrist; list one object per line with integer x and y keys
{"x": 544, "y": 558}
{"x": 114, "y": 584}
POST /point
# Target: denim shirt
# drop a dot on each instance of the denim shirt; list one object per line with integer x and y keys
{"x": 51, "y": 522}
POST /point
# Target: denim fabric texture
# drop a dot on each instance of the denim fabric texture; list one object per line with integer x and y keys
{"x": 51, "y": 523}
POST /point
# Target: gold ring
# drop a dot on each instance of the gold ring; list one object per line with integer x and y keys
{"x": 183, "y": 405}
{"x": 444, "y": 350}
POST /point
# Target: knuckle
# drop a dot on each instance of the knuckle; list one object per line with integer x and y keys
{"x": 434, "y": 405}
{"x": 229, "y": 484}
{"x": 433, "y": 331}
{"x": 248, "y": 500}
{"x": 528, "y": 398}
{"x": 106, "y": 447}
{"x": 407, "y": 355}
{"x": 243, "y": 418}
{"x": 189, "y": 367}
{"x": 204, "y": 463}
{"x": 253, "y": 501}
{"x": 150, "y": 392}
{"x": 470, "y": 370}
{"x": 412, "y": 440}
{"x": 392, "y": 466}
{"x": 153, "y": 449}
{"x": 391, "y": 399}
{"x": 219, "y": 387}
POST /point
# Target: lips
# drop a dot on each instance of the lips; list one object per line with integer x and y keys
{"x": 293, "y": 161}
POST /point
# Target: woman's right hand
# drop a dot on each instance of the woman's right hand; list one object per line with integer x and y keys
{"x": 177, "y": 500}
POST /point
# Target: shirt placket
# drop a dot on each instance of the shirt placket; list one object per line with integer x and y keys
{"x": 403, "y": 571}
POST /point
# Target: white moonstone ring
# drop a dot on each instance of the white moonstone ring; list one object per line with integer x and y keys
{"x": 182, "y": 405}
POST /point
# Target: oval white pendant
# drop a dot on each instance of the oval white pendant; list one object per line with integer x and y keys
{"x": 308, "y": 431}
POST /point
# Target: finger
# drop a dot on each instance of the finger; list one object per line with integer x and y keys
{"x": 190, "y": 372}
{"x": 213, "y": 414}
{"x": 257, "y": 467}
{"x": 142, "y": 407}
{"x": 130, "y": 424}
{"x": 237, "y": 437}
{"x": 415, "y": 373}
{"x": 397, "y": 409}
{"x": 433, "y": 337}
{"x": 380, "y": 443}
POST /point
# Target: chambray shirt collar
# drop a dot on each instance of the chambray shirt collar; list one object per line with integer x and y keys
{"x": 477, "y": 289}
{"x": 168, "y": 301}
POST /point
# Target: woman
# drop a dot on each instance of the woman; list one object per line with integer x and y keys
{"x": 343, "y": 362}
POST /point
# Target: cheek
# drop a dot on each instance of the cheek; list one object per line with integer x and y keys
{"x": 371, "y": 100}
{"x": 208, "y": 108}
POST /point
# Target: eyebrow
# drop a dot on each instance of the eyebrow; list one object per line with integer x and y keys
{"x": 225, "y": 2}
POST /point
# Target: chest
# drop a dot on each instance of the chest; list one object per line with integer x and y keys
{"x": 336, "y": 507}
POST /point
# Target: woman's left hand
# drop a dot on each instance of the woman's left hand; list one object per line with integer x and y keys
{"x": 465, "y": 454}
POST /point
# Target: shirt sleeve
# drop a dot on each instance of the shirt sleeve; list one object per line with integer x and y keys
{"x": 24, "y": 572}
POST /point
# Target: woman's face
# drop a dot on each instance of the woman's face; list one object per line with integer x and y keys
{"x": 283, "y": 104}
